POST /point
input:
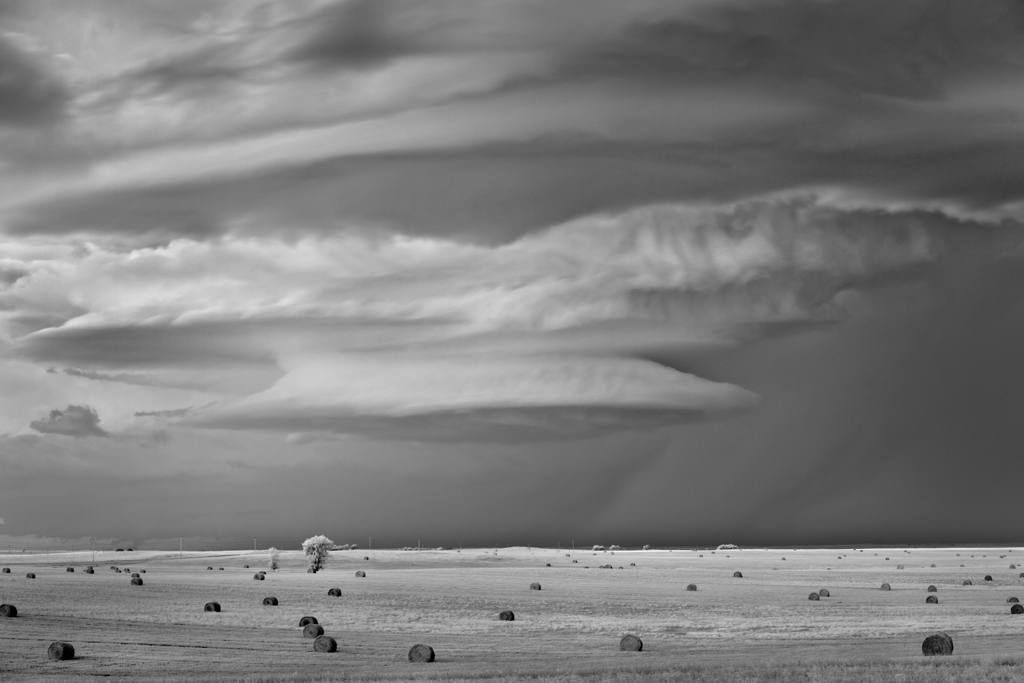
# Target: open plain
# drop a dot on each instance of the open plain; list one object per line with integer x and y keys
{"x": 760, "y": 626}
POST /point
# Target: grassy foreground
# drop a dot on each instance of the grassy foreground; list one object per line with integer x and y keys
{"x": 930, "y": 671}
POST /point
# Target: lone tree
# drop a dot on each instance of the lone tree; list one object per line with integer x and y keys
{"x": 317, "y": 549}
{"x": 275, "y": 556}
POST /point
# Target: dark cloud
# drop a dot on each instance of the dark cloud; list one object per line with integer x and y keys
{"x": 907, "y": 50}
{"x": 73, "y": 421}
{"x": 28, "y": 95}
{"x": 177, "y": 412}
{"x": 482, "y": 425}
{"x": 354, "y": 34}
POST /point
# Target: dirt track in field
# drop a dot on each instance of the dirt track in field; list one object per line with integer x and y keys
{"x": 450, "y": 601}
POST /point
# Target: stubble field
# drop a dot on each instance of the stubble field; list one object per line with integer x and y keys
{"x": 758, "y": 627}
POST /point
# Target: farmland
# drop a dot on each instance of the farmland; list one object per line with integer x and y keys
{"x": 570, "y": 629}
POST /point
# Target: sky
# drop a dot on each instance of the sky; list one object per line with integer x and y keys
{"x": 512, "y": 271}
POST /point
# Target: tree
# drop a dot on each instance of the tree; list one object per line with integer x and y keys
{"x": 275, "y": 555}
{"x": 317, "y": 549}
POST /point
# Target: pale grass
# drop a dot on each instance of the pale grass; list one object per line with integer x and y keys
{"x": 760, "y": 627}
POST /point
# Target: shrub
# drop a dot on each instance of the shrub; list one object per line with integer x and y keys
{"x": 317, "y": 549}
{"x": 274, "y": 558}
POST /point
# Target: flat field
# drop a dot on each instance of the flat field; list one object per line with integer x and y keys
{"x": 758, "y": 627}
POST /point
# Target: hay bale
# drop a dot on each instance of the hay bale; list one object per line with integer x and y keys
{"x": 7, "y": 570}
{"x": 272, "y": 602}
{"x": 1013, "y": 566}
{"x": 535, "y": 586}
{"x": 220, "y": 568}
{"x": 824, "y": 593}
{"x": 8, "y": 610}
{"x": 1017, "y": 609}
{"x": 257, "y": 576}
{"x": 307, "y": 620}
{"x": 90, "y": 570}
{"x": 421, "y": 653}
{"x": 886, "y": 587}
{"x": 548, "y": 564}
{"x": 631, "y": 643}
{"x": 135, "y": 575}
{"x": 312, "y": 631}
{"x": 988, "y": 577}
{"x": 334, "y": 592}
{"x": 575, "y": 561}
{"x": 968, "y": 582}
{"x": 933, "y": 589}
{"x": 937, "y": 644}
{"x": 812, "y": 596}
{"x": 506, "y": 615}
{"x": 1022, "y": 575}
{"x": 325, "y": 644}
{"x": 632, "y": 564}
{"x": 361, "y": 574}
{"x": 737, "y": 575}
{"x": 931, "y": 599}
{"x": 136, "y": 581}
{"x": 366, "y": 558}
{"x": 209, "y": 569}
{"x": 899, "y": 566}
{"x": 691, "y": 587}
{"x": 211, "y": 607}
{"x": 30, "y": 575}
{"x": 933, "y": 565}
{"x": 143, "y": 571}
{"x": 59, "y": 651}
{"x": 1011, "y": 599}
{"x": 71, "y": 569}
{"x": 245, "y": 566}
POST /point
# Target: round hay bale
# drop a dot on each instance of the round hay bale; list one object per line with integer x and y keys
{"x": 361, "y": 574}
{"x": 325, "y": 644}
{"x": 135, "y": 575}
{"x": 366, "y": 558}
{"x": 988, "y": 577}
{"x": 136, "y": 581}
{"x": 1022, "y": 575}
{"x": 257, "y": 576}
{"x": 1011, "y": 599}
{"x": 334, "y": 592}
{"x": 931, "y": 599}
{"x": 71, "y": 569}
{"x": 1013, "y": 566}
{"x": 211, "y": 607}
{"x": 968, "y": 582}
{"x": 59, "y": 651}
{"x": 8, "y": 610}
{"x": 933, "y": 589}
{"x": 143, "y": 571}
{"x": 548, "y": 564}
{"x": 737, "y": 575}
{"x": 220, "y": 568}
{"x": 899, "y": 566}
{"x": 245, "y": 566}
{"x": 7, "y": 570}
{"x": 575, "y": 561}
{"x": 307, "y": 620}
{"x": 631, "y": 643}
{"x": 90, "y": 570}
{"x": 209, "y": 569}
{"x": 1017, "y": 609}
{"x": 118, "y": 571}
{"x": 812, "y": 596}
{"x": 824, "y": 593}
{"x": 535, "y": 586}
{"x": 507, "y": 615}
{"x": 632, "y": 564}
{"x": 312, "y": 631}
{"x": 113, "y": 567}
{"x": 263, "y": 571}
{"x": 691, "y": 587}
{"x": 937, "y": 644}
{"x": 30, "y": 575}
{"x": 272, "y": 602}
{"x": 421, "y": 653}
{"x": 886, "y": 587}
